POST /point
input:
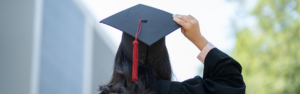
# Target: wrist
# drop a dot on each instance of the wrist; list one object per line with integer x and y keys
{"x": 201, "y": 42}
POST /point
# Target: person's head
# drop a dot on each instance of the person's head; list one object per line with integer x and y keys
{"x": 155, "y": 65}
{"x": 142, "y": 56}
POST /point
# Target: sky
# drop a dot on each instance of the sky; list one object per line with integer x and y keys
{"x": 214, "y": 17}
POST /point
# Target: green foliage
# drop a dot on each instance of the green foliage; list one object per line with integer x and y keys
{"x": 269, "y": 52}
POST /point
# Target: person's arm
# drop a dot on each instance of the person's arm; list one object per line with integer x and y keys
{"x": 222, "y": 74}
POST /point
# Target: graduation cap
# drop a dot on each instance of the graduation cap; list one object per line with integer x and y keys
{"x": 144, "y": 30}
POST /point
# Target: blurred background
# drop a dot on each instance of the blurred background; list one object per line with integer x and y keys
{"x": 59, "y": 46}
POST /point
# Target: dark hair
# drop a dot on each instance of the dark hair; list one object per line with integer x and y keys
{"x": 148, "y": 72}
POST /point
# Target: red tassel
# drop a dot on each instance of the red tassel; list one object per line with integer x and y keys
{"x": 135, "y": 54}
{"x": 135, "y": 58}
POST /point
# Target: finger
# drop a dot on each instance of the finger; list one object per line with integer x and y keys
{"x": 182, "y": 30}
{"x": 193, "y": 19}
{"x": 188, "y": 17}
{"x": 182, "y": 17}
{"x": 180, "y": 22}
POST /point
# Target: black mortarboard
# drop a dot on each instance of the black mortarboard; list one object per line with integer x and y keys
{"x": 149, "y": 25}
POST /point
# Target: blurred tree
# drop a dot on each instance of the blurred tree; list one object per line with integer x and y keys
{"x": 269, "y": 51}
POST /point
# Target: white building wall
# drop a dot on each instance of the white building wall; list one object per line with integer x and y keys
{"x": 44, "y": 48}
{"x": 16, "y": 43}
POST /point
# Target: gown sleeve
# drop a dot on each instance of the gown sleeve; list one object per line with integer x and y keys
{"x": 222, "y": 75}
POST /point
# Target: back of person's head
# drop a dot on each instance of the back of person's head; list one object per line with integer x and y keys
{"x": 155, "y": 65}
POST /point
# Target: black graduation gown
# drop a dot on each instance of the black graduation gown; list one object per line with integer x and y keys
{"x": 222, "y": 75}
